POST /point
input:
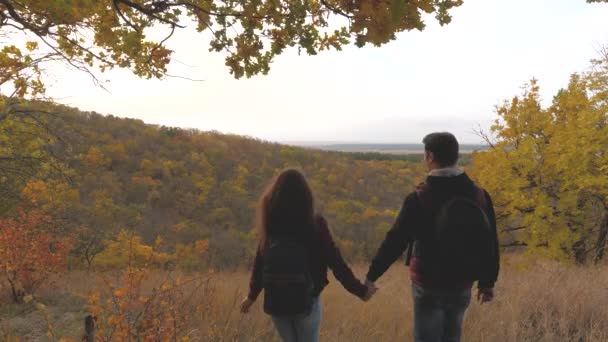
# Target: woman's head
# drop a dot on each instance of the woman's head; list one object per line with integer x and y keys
{"x": 286, "y": 207}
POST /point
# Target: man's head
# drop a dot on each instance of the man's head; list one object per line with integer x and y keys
{"x": 440, "y": 150}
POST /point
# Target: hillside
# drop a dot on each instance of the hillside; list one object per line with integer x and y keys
{"x": 185, "y": 185}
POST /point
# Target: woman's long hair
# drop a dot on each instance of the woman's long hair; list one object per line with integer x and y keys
{"x": 286, "y": 208}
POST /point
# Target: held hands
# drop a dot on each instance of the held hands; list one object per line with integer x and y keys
{"x": 246, "y": 305}
{"x": 371, "y": 290}
{"x": 485, "y": 295}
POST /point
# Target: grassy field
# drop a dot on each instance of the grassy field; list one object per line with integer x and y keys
{"x": 538, "y": 302}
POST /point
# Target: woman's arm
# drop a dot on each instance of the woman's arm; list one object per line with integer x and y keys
{"x": 340, "y": 269}
{"x": 255, "y": 283}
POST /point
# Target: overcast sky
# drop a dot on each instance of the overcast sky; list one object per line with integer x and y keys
{"x": 444, "y": 78}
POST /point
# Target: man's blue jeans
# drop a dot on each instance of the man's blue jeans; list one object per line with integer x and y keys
{"x": 438, "y": 313}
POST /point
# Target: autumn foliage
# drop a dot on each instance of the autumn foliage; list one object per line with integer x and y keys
{"x": 187, "y": 185}
{"x": 30, "y": 252}
{"x": 127, "y": 249}
{"x": 126, "y": 310}
{"x": 113, "y": 34}
{"x": 547, "y": 169}
{"x": 136, "y": 305}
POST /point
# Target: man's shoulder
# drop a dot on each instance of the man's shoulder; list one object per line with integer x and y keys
{"x": 420, "y": 195}
{"x": 418, "y": 190}
{"x": 413, "y": 199}
{"x": 421, "y": 186}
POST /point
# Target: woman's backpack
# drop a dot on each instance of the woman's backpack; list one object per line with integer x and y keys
{"x": 287, "y": 278}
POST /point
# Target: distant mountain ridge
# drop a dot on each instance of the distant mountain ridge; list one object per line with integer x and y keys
{"x": 389, "y": 148}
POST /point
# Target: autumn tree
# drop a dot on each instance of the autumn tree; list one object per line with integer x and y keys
{"x": 127, "y": 249}
{"x": 141, "y": 306}
{"x": 548, "y": 168}
{"x": 30, "y": 252}
{"x": 191, "y": 256}
{"x": 27, "y": 142}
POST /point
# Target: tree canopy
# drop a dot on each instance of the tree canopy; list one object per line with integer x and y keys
{"x": 116, "y": 33}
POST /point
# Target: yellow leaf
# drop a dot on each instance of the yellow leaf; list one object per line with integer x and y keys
{"x": 31, "y": 46}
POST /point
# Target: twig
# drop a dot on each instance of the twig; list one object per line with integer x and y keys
{"x": 150, "y": 12}
{"x": 159, "y": 45}
{"x": 120, "y": 14}
{"x": 185, "y": 78}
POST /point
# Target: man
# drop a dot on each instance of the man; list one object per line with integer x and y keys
{"x": 443, "y": 269}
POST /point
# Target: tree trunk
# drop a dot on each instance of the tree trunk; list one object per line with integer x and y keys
{"x": 580, "y": 255}
{"x": 17, "y": 293}
{"x": 600, "y": 245}
{"x": 89, "y": 260}
{"x": 89, "y": 329}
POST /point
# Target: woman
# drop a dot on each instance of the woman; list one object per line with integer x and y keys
{"x": 286, "y": 213}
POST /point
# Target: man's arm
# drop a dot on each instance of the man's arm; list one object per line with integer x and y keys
{"x": 493, "y": 268}
{"x": 397, "y": 238}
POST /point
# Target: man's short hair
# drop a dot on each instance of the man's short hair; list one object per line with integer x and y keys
{"x": 444, "y": 147}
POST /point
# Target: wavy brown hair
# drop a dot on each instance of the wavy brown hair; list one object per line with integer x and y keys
{"x": 286, "y": 208}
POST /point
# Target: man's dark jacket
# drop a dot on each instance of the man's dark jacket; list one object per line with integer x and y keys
{"x": 415, "y": 220}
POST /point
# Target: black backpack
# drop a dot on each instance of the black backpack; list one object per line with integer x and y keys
{"x": 287, "y": 278}
{"x": 459, "y": 244}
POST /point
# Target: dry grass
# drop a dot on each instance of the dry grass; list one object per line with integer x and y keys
{"x": 541, "y": 302}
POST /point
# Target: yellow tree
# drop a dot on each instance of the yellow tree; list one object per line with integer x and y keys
{"x": 548, "y": 168}
{"x": 24, "y": 154}
{"x": 128, "y": 250}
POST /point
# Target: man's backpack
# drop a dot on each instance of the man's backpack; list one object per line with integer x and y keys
{"x": 459, "y": 244}
{"x": 287, "y": 278}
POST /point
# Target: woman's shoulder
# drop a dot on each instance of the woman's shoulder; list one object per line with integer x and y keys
{"x": 321, "y": 226}
{"x": 320, "y": 221}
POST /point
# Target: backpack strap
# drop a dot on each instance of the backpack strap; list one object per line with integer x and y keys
{"x": 480, "y": 198}
{"x": 408, "y": 255}
{"x": 424, "y": 195}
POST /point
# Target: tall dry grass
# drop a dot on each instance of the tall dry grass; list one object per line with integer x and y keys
{"x": 535, "y": 301}
{"x": 539, "y": 302}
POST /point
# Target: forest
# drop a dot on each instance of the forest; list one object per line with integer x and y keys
{"x": 185, "y": 186}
